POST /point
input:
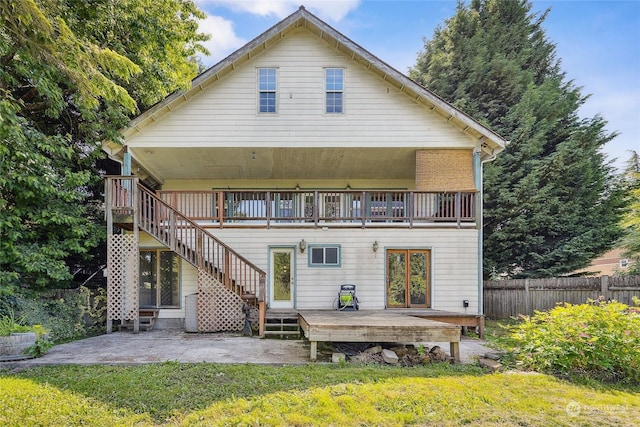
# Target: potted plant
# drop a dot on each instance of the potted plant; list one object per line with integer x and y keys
{"x": 17, "y": 339}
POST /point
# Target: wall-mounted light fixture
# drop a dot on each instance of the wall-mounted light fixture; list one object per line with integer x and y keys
{"x": 465, "y": 303}
{"x": 302, "y": 246}
{"x": 375, "y": 246}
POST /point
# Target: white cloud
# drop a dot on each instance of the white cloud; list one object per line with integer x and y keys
{"x": 331, "y": 10}
{"x": 223, "y": 40}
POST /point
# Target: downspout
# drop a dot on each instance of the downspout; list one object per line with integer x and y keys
{"x": 477, "y": 172}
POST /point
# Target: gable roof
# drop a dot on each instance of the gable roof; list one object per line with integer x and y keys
{"x": 490, "y": 142}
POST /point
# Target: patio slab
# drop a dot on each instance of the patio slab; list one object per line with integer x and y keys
{"x": 127, "y": 348}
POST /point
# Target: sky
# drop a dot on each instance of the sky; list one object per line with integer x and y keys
{"x": 597, "y": 41}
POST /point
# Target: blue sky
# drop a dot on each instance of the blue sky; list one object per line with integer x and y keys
{"x": 597, "y": 41}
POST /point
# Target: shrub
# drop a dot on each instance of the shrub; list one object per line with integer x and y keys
{"x": 64, "y": 314}
{"x": 600, "y": 339}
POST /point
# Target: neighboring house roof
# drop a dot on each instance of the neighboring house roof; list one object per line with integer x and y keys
{"x": 490, "y": 142}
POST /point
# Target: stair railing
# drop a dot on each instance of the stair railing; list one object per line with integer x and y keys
{"x": 189, "y": 240}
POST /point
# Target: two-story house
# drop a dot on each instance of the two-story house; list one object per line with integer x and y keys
{"x": 299, "y": 163}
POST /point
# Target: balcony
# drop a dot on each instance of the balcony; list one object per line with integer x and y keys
{"x": 319, "y": 208}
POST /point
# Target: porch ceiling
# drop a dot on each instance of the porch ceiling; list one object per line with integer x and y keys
{"x": 274, "y": 163}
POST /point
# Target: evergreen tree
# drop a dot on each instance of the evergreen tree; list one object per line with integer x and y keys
{"x": 62, "y": 93}
{"x": 631, "y": 220}
{"x": 551, "y": 200}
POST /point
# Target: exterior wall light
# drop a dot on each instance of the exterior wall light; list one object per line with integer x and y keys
{"x": 302, "y": 246}
{"x": 375, "y": 246}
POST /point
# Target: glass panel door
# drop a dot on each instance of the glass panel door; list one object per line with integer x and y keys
{"x": 396, "y": 278}
{"x": 419, "y": 265}
{"x": 408, "y": 275}
{"x": 282, "y": 278}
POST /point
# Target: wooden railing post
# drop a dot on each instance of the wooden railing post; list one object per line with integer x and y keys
{"x": 458, "y": 209}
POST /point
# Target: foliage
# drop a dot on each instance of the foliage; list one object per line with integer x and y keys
{"x": 631, "y": 220}
{"x": 207, "y": 394}
{"x": 9, "y": 323}
{"x": 552, "y": 201}
{"x": 63, "y": 92}
{"x": 61, "y": 317}
{"x": 41, "y": 346}
{"x": 159, "y": 36}
{"x": 599, "y": 339}
{"x": 94, "y": 306}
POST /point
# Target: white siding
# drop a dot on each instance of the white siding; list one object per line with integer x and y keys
{"x": 454, "y": 262}
{"x": 225, "y": 113}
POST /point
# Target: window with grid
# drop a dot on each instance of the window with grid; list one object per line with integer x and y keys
{"x": 334, "y": 87}
{"x": 267, "y": 85}
{"x": 324, "y": 256}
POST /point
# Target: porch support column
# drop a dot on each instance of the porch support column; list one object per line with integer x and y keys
{"x": 126, "y": 162}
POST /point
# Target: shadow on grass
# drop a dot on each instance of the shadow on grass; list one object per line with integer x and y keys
{"x": 161, "y": 390}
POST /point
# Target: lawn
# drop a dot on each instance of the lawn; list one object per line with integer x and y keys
{"x": 209, "y": 394}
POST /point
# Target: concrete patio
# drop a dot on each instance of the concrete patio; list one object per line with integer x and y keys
{"x": 126, "y": 348}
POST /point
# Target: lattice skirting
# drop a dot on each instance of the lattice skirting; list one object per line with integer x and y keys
{"x": 122, "y": 278}
{"x": 219, "y": 310}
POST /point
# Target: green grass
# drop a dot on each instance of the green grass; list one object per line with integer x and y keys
{"x": 208, "y": 394}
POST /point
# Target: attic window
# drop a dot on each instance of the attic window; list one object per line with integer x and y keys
{"x": 267, "y": 84}
{"x": 334, "y": 87}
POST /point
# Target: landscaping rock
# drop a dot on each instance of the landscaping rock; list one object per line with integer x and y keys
{"x": 337, "y": 357}
{"x": 373, "y": 350}
{"x": 438, "y": 355}
{"x": 389, "y": 356}
{"x": 401, "y": 351}
{"x": 493, "y": 355}
{"x": 490, "y": 365}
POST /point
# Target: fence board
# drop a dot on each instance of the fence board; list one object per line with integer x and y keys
{"x": 510, "y": 298}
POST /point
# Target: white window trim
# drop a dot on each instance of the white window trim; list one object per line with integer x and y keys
{"x": 343, "y": 91}
{"x": 324, "y": 264}
{"x": 258, "y": 91}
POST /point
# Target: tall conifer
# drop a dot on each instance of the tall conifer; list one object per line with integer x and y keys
{"x": 551, "y": 199}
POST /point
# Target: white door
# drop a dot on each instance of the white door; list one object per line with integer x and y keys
{"x": 281, "y": 278}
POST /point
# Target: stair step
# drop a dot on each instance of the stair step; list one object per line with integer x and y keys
{"x": 266, "y": 332}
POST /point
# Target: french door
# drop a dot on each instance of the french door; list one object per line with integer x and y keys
{"x": 408, "y": 278}
{"x": 281, "y": 278}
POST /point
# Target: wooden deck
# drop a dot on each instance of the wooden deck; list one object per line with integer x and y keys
{"x": 375, "y": 326}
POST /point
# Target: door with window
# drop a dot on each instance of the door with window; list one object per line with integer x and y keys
{"x": 408, "y": 278}
{"x": 159, "y": 279}
{"x": 281, "y": 278}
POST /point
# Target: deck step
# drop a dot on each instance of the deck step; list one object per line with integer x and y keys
{"x": 146, "y": 317}
{"x": 282, "y": 324}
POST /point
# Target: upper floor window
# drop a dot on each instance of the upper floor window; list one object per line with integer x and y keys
{"x": 334, "y": 88}
{"x": 267, "y": 85}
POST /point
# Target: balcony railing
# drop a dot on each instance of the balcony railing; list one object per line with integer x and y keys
{"x": 323, "y": 208}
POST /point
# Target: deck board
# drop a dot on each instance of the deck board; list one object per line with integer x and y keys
{"x": 375, "y": 326}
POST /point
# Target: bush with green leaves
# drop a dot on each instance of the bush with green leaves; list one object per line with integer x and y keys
{"x": 598, "y": 339}
{"x": 66, "y": 315}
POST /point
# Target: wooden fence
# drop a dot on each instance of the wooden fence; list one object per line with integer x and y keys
{"x": 510, "y": 298}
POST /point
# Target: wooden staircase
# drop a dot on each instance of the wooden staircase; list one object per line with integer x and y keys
{"x": 282, "y": 324}
{"x": 146, "y": 317}
{"x": 132, "y": 206}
